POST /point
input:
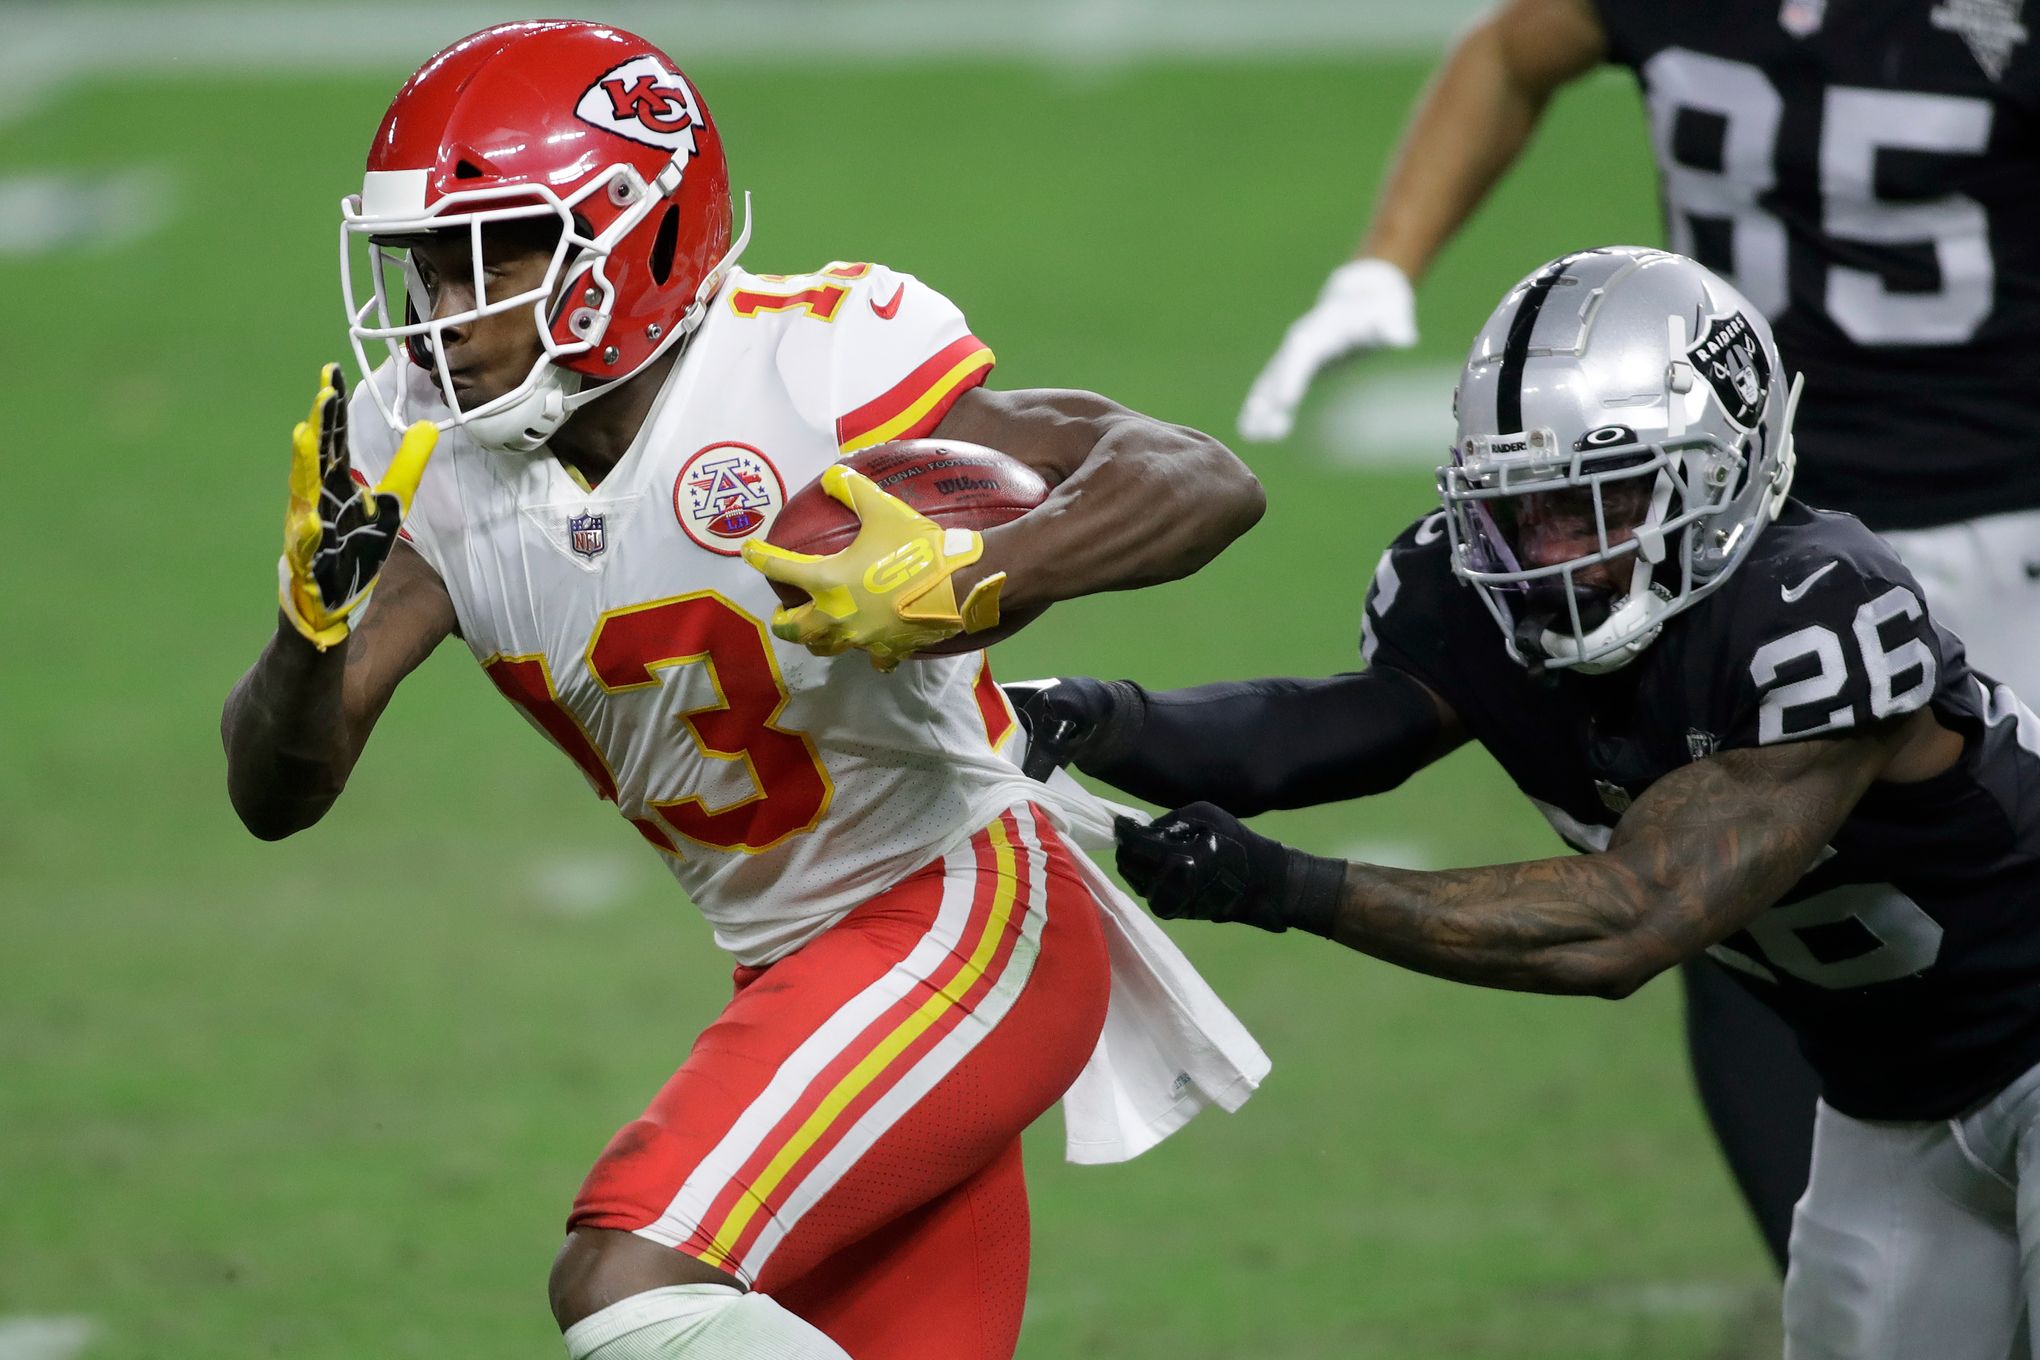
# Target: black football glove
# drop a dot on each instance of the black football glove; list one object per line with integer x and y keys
{"x": 1201, "y": 862}
{"x": 1077, "y": 721}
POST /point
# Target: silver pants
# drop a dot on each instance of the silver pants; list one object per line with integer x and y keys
{"x": 1919, "y": 1241}
{"x": 1982, "y": 579}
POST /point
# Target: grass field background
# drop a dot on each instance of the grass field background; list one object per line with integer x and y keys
{"x": 331, "y": 1098}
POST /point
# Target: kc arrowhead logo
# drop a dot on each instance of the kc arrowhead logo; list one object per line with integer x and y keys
{"x": 647, "y": 101}
{"x": 726, "y": 493}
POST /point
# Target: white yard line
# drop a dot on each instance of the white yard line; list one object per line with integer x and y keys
{"x": 1396, "y": 854}
{"x": 1392, "y": 414}
{"x": 1700, "y": 1298}
{"x": 44, "y": 1338}
{"x": 52, "y": 47}
{"x": 50, "y": 44}
{"x": 584, "y": 885}
{"x": 46, "y": 211}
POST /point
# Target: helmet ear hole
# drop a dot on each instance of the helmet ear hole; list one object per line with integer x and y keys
{"x": 664, "y": 244}
{"x": 466, "y": 169}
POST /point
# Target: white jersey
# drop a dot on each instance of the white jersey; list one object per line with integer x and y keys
{"x": 781, "y": 788}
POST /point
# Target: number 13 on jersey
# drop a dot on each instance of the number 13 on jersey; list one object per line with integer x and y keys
{"x": 627, "y": 651}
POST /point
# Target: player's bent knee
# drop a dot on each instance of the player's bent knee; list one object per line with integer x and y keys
{"x": 1837, "y": 1293}
{"x": 698, "y": 1322}
{"x": 599, "y": 1267}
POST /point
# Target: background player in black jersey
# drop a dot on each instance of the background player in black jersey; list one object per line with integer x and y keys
{"x": 1743, "y": 716}
{"x": 1867, "y": 173}
{"x": 1739, "y": 709}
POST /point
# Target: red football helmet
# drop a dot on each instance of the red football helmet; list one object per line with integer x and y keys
{"x": 546, "y": 119}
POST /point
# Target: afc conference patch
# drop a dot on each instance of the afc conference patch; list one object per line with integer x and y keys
{"x": 726, "y": 493}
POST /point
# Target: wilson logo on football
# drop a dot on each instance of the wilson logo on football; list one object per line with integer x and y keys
{"x": 725, "y": 494}
{"x": 646, "y": 101}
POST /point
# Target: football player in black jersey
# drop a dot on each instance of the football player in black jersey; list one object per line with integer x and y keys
{"x": 1866, "y": 172}
{"x": 1739, "y": 709}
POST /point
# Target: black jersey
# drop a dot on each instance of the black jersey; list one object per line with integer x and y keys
{"x": 1908, "y": 958}
{"x": 1867, "y": 172}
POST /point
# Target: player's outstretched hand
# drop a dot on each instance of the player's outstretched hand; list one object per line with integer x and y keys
{"x": 1202, "y": 863}
{"x": 889, "y": 592}
{"x": 1364, "y": 305}
{"x": 1075, "y": 720}
{"x": 338, "y": 533}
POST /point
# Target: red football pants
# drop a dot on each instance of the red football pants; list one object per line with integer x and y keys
{"x": 845, "y": 1136}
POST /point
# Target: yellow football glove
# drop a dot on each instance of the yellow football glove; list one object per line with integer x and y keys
{"x": 337, "y": 533}
{"x": 889, "y": 592}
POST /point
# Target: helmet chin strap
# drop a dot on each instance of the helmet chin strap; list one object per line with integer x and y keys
{"x": 1788, "y": 454}
{"x": 525, "y": 424}
{"x": 1633, "y": 617}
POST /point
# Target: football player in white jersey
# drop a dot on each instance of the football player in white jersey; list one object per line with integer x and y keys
{"x": 542, "y": 255}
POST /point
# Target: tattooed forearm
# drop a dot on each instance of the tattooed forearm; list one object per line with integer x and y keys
{"x": 1702, "y": 852}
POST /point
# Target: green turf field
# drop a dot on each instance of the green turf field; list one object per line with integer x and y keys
{"x": 330, "y": 1099}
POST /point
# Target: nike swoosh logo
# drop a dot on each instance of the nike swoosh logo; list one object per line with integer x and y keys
{"x": 885, "y": 311}
{"x": 1791, "y": 594}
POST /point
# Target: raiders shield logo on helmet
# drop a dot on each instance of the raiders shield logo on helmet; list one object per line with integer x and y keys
{"x": 1731, "y": 357}
{"x": 646, "y": 101}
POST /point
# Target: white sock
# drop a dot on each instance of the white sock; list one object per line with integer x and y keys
{"x": 697, "y": 1322}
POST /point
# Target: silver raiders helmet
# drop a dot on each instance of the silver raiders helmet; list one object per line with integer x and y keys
{"x": 1625, "y": 433}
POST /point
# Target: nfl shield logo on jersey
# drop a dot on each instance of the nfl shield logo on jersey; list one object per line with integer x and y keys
{"x": 585, "y": 535}
{"x": 726, "y": 493}
{"x": 1989, "y": 28}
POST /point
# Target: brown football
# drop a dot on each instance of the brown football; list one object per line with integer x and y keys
{"x": 961, "y": 486}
